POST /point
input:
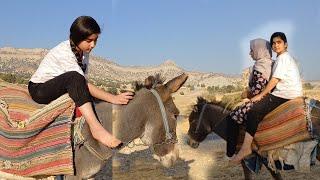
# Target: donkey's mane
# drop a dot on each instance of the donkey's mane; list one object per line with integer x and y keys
{"x": 150, "y": 82}
{"x": 201, "y": 101}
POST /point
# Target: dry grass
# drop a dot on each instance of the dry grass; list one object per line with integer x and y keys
{"x": 313, "y": 93}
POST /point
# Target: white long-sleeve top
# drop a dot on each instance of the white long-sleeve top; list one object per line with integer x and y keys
{"x": 59, "y": 60}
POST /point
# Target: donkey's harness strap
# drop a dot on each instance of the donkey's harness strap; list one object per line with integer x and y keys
{"x": 201, "y": 116}
{"x": 80, "y": 140}
{"x": 163, "y": 113}
{"x": 312, "y": 104}
{"x": 93, "y": 151}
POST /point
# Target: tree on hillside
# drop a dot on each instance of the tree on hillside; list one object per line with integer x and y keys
{"x": 308, "y": 86}
{"x": 14, "y": 78}
{"x": 224, "y": 89}
{"x": 191, "y": 87}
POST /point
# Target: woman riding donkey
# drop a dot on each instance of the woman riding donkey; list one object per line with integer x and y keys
{"x": 260, "y": 51}
{"x": 285, "y": 84}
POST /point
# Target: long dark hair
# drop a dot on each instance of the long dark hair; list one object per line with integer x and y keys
{"x": 81, "y": 28}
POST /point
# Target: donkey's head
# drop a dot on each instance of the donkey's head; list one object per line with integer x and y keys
{"x": 205, "y": 118}
{"x": 315, "y": 116}
{"x": 199, "y": 124}
{"x": 160, "y": 127}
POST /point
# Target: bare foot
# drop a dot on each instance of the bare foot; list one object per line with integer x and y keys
{"x": 112, "y": 143}
{"x": 105, "y": 137}
{"x": 236, "y": 159}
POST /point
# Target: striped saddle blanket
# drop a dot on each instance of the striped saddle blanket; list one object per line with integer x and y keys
{"x": 285, "y": 125}
{"x": 35, "y": 139}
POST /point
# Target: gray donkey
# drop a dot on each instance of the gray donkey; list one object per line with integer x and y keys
{"x": 151, "y": 115}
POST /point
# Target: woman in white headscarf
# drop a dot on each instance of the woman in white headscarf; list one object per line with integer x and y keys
{"x": 260, "y": 51}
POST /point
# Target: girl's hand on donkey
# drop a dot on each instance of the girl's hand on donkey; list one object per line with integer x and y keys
{"x": 123, "y": 98}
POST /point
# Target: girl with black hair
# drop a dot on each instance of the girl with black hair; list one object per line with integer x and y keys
{"x": 64, "y": 70}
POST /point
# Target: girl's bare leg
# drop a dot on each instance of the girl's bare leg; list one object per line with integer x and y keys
{"x": 245, "y": 149}
{"x": 97, "y": 131}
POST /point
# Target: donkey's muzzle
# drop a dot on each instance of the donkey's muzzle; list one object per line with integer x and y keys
{"x": 192, "y": 143}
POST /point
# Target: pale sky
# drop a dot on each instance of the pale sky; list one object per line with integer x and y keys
{"x": 199, "y": 35}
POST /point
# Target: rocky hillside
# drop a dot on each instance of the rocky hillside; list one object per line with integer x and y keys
{"x": 25, "y": 61}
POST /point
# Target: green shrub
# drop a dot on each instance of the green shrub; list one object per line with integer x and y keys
{"x": 308, "y": 86}
{"x": 14, "y": 78}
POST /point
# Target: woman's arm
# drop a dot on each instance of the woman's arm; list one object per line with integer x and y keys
{"x": 271, "y": 84}
{"x": 256, "y": 85}
{"x": 122, "y": 98}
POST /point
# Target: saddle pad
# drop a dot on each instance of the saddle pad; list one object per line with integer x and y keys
{"x": 285, "y": 125}
{"x": 33, "y": 141}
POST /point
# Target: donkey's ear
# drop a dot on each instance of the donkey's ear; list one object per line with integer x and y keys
{"x": 174, "y": 84}
{"x": 149, "y": 81}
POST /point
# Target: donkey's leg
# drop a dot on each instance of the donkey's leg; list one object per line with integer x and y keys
{"x": 275, "y": 175}
{"x": 68, "y": 177}
{"x": 59, "y": 177}
{"x": 246, "y": 171}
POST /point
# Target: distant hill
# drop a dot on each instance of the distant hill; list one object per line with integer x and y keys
{"x": 25, "y": 62}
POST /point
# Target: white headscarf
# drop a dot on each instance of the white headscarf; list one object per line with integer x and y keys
{"x": 261, "y": 53}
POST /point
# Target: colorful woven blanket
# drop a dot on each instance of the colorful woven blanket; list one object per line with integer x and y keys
{"x": 34, "y": 139}
{"x": 285, "y": 125}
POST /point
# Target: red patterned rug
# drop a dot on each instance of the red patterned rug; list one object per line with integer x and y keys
{"x": 34, "y": 139}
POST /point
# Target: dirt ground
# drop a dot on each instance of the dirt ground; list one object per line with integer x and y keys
{"x": 206, "y": 162}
